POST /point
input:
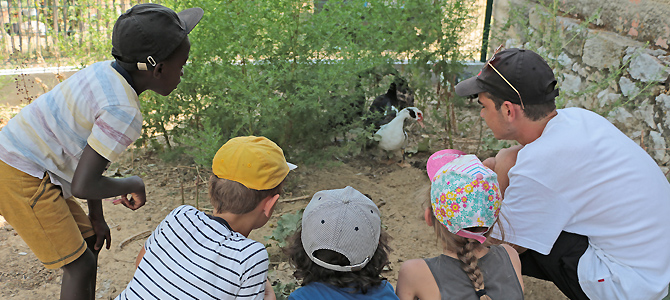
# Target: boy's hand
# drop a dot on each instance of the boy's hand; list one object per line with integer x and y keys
{"x": 102, "y": 233}
{"x": 100, "y": 227}
{"x": 135, "y": 201}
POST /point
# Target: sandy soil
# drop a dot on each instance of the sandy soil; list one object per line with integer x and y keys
{"x": 169, "y": 185}
{"x": 391, "y": 187}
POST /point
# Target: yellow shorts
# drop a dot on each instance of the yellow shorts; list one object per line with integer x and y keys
{"x": 53, "y": 227}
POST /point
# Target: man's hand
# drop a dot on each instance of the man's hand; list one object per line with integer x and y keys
{"x": 495, "y": 241}
{"x": 518, "y": 249}
{"x": 490, "y": 163}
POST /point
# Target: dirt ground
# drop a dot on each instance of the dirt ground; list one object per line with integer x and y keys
{"x": 169, "y": 185}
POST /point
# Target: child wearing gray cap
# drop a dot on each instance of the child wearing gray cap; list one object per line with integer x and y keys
{"x": 341, "y": 249}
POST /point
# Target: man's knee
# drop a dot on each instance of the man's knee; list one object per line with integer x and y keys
{"x": 560, "y": 265}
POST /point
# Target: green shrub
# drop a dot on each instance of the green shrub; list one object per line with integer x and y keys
{"x": 303, "y": 79}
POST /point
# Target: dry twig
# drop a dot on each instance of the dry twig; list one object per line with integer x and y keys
{"x": 295, "y": 199}
{"x": 139, "y": 236}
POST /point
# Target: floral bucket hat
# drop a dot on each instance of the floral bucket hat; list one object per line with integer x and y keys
{"x": 464, "y": 193}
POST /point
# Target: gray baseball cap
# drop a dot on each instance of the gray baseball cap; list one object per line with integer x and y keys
{"x": 344, "y": 221}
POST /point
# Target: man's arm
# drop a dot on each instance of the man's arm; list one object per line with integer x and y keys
{"x": 504, "y": 161}
{"x": 501, "y": 164}
{"x": 495, "y": 241}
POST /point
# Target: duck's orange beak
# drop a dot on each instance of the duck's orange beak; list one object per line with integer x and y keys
{"x": 420, "y": 121}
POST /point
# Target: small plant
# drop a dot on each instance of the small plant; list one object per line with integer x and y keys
{"x": 283, "y": 290}
{"x": 286, "y": 225}
{"x": 204, "y": 144}
{"x": 490, "y": 143}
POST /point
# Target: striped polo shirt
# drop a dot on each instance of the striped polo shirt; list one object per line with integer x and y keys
{"x": 94, "y": 106}
{"x": 193, "y": 256}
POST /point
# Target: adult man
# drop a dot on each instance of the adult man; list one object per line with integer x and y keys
{"x": 589, "y": 205}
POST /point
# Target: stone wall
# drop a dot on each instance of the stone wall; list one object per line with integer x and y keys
{"x": 615, "y": 63}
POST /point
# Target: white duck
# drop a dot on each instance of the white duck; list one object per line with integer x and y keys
{"x": 392, "y": 136}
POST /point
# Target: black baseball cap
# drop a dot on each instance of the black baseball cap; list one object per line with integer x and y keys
{"x": 148, "y": 33}
{"x": 527, "y": 71}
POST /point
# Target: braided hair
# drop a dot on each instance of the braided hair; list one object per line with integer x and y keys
{"x": 464, "y": 249}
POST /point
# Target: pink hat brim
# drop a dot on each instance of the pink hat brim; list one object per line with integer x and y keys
{"x": 471, "y": 235}
{"x": 439, "y": 159}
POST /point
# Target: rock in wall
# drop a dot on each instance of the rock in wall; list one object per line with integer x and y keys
{"x": 616, "y": 63}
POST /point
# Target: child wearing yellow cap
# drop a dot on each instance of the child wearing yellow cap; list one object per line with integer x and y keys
{"x": 193, "y": 255}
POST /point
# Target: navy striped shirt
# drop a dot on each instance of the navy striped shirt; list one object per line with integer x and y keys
{"x": 193, "y": 256}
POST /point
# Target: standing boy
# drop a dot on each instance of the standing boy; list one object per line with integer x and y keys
{"x": 59, "y": 145}
{"x": 193, "y": 255}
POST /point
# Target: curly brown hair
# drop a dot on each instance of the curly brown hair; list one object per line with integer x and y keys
{"x": 357, "y": 281}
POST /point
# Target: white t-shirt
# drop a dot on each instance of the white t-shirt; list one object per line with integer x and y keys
{"x": 95, "y": 106}
{"x": 584, "y": 176}
{"x": 193, "y": 256}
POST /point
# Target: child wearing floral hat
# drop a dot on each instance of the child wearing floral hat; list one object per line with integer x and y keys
{"x": 463, "y": 206}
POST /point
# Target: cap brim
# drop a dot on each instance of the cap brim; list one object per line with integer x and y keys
{"x": 472, "y": 235}
{"x": 291, "y": 166}
{"x": 191, "y": 17}
{"x": 439, "y": 159}
{"x": 352, "y": 268}
{"x": 469, "y": 87}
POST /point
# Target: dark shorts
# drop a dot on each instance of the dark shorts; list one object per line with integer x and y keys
{"x": 560, "y": 265}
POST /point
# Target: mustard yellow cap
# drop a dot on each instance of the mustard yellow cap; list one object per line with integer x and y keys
{"x": 254, "y": 161}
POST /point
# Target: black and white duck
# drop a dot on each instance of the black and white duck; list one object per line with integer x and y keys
{"x": 392, "y": 136}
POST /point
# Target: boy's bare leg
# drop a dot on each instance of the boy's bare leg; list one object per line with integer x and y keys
{"x": 90, "y": 242}
{"x": 79, "y": 276}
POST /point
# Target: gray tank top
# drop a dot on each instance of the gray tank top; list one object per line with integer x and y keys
{"x": 500, "y": 280}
